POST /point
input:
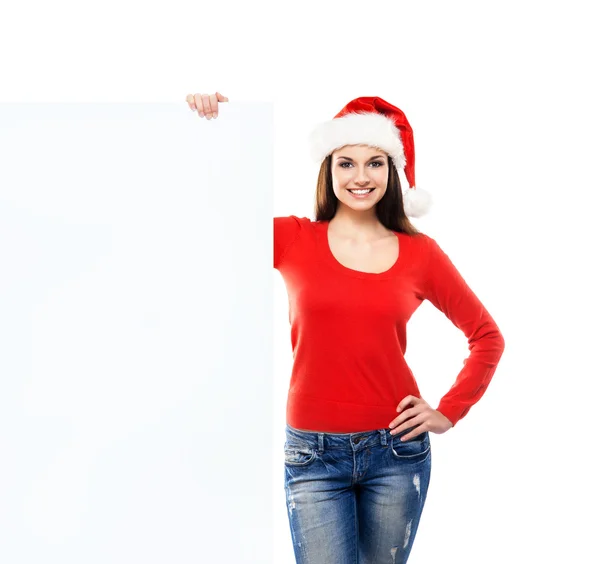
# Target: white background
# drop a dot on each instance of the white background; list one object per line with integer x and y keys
{"x": 502, "y": 100}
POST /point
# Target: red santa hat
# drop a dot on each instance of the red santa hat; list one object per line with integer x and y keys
{"x": 370, "y": 120}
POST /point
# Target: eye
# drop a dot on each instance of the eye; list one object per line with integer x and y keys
{"x": 378, "y": 163}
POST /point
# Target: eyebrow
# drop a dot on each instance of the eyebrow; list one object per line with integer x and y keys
{"x": 375, "y": 157}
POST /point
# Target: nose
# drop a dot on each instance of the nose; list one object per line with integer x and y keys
{"x": 361, "y": 176}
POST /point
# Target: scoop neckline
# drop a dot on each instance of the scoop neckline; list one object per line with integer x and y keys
{"x": 330, "y": 259}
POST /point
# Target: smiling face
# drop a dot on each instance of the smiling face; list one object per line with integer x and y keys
{"x": 357, "y": 167}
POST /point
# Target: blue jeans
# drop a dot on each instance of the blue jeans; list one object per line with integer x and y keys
{"x": 355, "y": 497}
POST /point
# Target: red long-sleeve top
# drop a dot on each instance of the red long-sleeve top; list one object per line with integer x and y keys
{"x": 348, "y": 330}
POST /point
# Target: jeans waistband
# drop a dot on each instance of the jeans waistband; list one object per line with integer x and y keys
{"x": 321, "y": 439}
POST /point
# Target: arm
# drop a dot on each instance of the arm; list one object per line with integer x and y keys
{"x": 286, "y": 230}
{"x": 446, "y": 289}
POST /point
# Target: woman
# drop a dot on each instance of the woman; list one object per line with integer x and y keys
{"x": 357, "y": 450}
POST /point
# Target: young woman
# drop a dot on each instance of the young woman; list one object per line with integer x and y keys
{"x": 357, "y": 450}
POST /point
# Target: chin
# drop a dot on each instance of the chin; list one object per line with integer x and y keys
{"x": 360, "y": 205}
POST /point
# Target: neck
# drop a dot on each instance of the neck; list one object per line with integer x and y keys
{"x": 359, "y": 225}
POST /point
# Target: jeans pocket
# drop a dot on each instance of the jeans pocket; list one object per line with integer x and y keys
{"x": 298, "y": 453}
{"x": 414, "y": 450}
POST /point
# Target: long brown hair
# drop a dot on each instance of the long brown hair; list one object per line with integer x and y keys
{"x": 389, "y": 210}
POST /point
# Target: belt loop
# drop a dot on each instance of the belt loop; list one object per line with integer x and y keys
{"x": 383, "y": 437}
{"x": 321, "y": 441}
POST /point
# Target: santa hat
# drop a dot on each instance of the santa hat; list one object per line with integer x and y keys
{"x": 370, "y": 120}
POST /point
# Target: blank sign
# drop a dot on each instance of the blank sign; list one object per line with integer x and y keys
{"x": 135, "y": 322}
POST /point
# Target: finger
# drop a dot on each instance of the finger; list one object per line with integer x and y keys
{"x": 405, "y": 401}
{"x": 198, "y": 104}
{"x": 419, "y": 424}
{"x": 206, "y": 106}
{"x": 190, "y": 100}
{"x": 414, "y": 433}
{"x": 405, "y": 416}
{"x": 214, "y": 105}
{"x": 222, "y": 98}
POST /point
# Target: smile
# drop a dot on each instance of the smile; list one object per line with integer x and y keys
{"x": 360, "y": 194}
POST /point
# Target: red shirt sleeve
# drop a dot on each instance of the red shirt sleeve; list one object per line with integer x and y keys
{"x": 286, "y": 230}
{"x": 446, "y": 289}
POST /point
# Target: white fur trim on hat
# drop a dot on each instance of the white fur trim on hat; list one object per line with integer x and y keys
{"x": 365, "y": 128}
{"x": 416, "y": 201}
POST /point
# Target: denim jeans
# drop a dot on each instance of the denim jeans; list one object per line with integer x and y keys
{"x": 355, "y": 498}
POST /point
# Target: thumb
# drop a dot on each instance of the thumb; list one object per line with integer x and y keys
{"x": 221, "y": 98}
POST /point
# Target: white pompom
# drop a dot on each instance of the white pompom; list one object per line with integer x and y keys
{"x": 417, "y": 202}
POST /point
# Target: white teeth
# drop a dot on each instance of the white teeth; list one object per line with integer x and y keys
{"x": 360, "y": 191}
